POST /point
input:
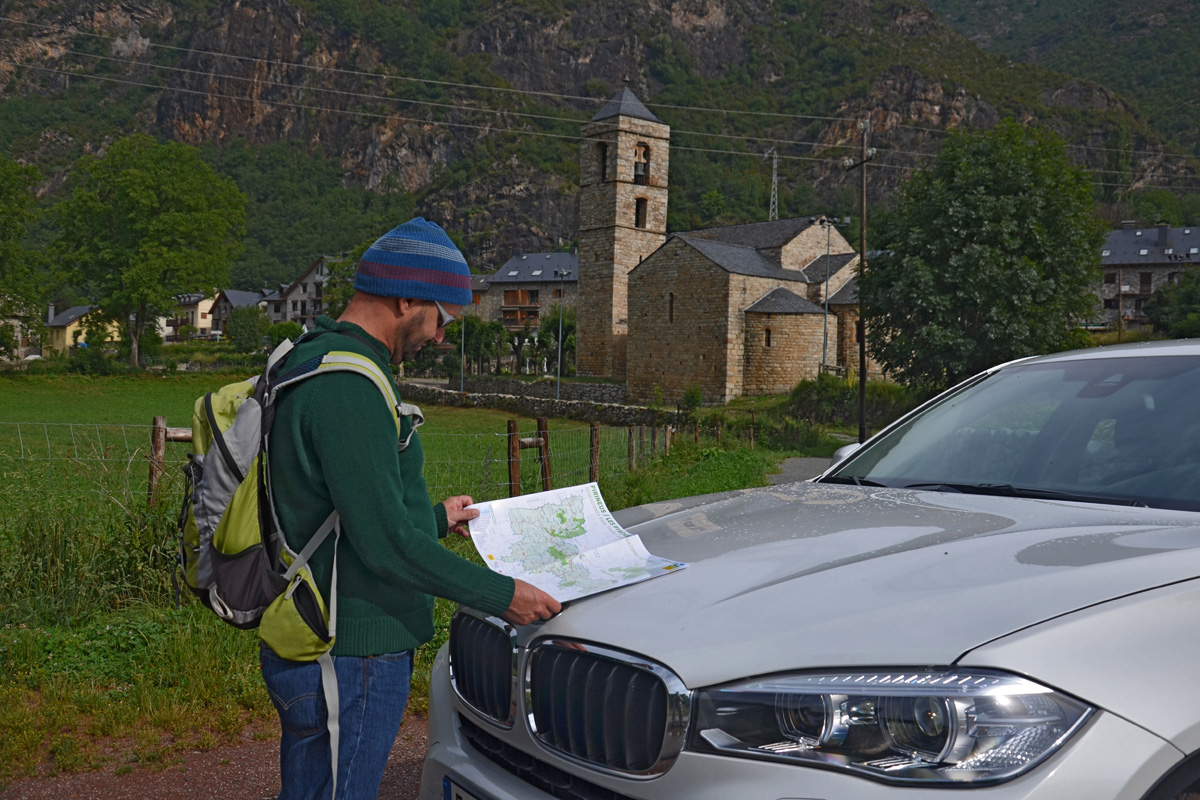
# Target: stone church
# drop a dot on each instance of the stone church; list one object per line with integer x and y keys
{"x": 737, "y": 310}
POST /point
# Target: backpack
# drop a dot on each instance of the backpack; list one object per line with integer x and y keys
{"x": 233, "y": 554}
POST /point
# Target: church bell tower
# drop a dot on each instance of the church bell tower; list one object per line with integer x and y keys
{"x": 622, "y": 219}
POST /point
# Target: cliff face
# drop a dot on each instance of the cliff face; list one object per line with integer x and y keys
{"x": 239, "y": 71}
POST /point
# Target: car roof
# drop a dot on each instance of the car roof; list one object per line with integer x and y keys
{"x": 1169, "y": 347}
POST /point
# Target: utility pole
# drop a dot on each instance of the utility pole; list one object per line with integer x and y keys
{"x": 562, "y": 275}
{"x": 866, "y": 155}
{"x": 1120, "y": 304}
{"x": 773, "y": 214}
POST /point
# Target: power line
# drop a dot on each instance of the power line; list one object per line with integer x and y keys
{"x": 386, "y": 98}
{"x": 535, "y": 93}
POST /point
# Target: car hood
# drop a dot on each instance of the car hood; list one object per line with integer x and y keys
{"x": 825, "y": 576}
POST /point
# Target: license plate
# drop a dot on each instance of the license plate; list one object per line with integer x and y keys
{"x": 456, "y": 792}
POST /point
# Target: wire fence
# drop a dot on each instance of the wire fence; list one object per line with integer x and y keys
{"x": 121, "y": 461}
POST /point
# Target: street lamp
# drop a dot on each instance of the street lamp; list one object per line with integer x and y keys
{"x": 562, "y": 275}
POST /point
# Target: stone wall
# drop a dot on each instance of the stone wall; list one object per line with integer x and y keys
{"x": 604, "y": 413}
{"x": 678, "y": 324}
{"x": 570, "y": 390}
{"x": 792, "y": 352}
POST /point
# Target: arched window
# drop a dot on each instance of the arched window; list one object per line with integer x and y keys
{"x": 641, "y": 163}
{"x": 602, "y": 152}
{"x": 639, "y": 213}
{"x": 670, "y": 306}
{"x": 768, "y": 337}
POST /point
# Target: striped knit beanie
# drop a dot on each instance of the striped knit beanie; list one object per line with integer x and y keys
{"x": 417, "y": 260}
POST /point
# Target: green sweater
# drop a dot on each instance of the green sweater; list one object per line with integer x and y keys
{"x": 333, "y": 444}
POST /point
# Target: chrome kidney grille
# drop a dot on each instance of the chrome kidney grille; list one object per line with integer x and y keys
{"x": 483, "y": 662}
{"x": 614, "y": 711}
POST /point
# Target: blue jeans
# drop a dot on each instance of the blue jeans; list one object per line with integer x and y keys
{"x": 372, "y": 694}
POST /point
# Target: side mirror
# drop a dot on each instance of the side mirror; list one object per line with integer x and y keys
{"x": 842, "y": 453}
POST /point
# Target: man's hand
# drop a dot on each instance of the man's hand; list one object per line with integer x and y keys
{"x": 457, "y": 513}
{"x": 530, "y": 604}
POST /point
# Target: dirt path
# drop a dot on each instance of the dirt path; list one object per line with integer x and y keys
{"x": 246, "y": 771}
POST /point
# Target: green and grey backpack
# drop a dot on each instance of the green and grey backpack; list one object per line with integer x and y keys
{"x": 233, "y": 553}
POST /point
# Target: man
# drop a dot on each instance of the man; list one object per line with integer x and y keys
{"x": 334, "y": 446}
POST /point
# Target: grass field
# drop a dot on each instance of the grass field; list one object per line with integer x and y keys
{"x": 92, "y": 645}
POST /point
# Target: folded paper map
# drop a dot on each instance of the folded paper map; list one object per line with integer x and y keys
{"x": 565, "y": 542}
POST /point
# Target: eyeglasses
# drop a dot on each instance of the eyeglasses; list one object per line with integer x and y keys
{"x": 446, "y": 317}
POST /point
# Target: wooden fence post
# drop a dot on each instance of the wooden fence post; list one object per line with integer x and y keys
{"x": 632, "y": 458}
{"x": 669, "y": 431}
{"x": 696, "y": 432}
{"x": 641, "y": 449}
{"x": 653, "y": 442}
{"x": 158, "y": 450}
{"x": 752, "y": 430}
{"x": 594, "y": 462}
{"x": 544, "y": 434}
{"x": 718, "y": 434}
{"x": 514, "y": 460}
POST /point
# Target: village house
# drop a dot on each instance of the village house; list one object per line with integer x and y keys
{"x": 1136, "y": 263}
{"x": 303, "y": 300}
{"x": 736, "y": 310}
{"x": 194, "y": 310}
{"x": 229, "y": 299}
{"x": 526, "y": 287}
{"x": 67, "y": 329}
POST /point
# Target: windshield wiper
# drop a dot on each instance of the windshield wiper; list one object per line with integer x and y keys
{"x": 1008, "y": 490}
{"x": 852, "y": 480}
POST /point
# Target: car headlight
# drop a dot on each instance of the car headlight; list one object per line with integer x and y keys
{"x": 928, "y": 727}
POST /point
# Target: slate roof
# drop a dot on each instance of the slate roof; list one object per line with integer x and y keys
{"x": 742, "y": 260}
{"x": 781, "y": 301}
{"x": 820, "y": 268}
{"x": 1124, "y": 247}
{"x": 535, "y": 268}
{"x": 847, "y": 295}
{"x": 755, "y": 234}
{"x": 625, "y": 103}
{"x": 238, "y": 298}
{"x": 65, "y": 318}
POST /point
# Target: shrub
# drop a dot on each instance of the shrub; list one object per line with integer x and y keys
{"x": 831, "y": 400}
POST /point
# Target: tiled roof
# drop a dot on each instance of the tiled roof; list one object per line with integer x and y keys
{"x": 781, "y": 301}
{"x": 755, "y": 234}
{"x": 625, "y": 103}
{"x": 237, "y": 298}
{"x": 65, "y": 318}
{"x": 1144, "y": 246}
{"x": 536, "y": 268}
{"x": 847, "y": 295}
{"x": 742, "y": 260}
{"x": 821, "y": 267}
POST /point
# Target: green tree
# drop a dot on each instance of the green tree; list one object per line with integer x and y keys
{"x": 246, "y": 327}
{"x": 548, "y": 336}
{"x": 1175, "y": 308}
{"x": 21, "y": 291}
{"x": 284, "y": 330}
{"x": 988, "y": 256}
{"x": 145, "y": 222}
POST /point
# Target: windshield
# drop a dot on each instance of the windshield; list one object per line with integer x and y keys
{"x": 1116, "y": 429}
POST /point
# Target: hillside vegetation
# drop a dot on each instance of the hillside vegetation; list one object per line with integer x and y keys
{"x": 338, "y": 118}
{"x": 1146, "y": 50}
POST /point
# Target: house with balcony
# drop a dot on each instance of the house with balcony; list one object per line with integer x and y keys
{"x": 191, "y": 309}
{"x": 1137, "y": 262}
{"x": 524, "y": 288}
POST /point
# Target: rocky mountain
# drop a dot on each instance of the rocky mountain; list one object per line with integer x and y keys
{"x": 339, "y": 117}
{"x": 1147, "y": 50}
